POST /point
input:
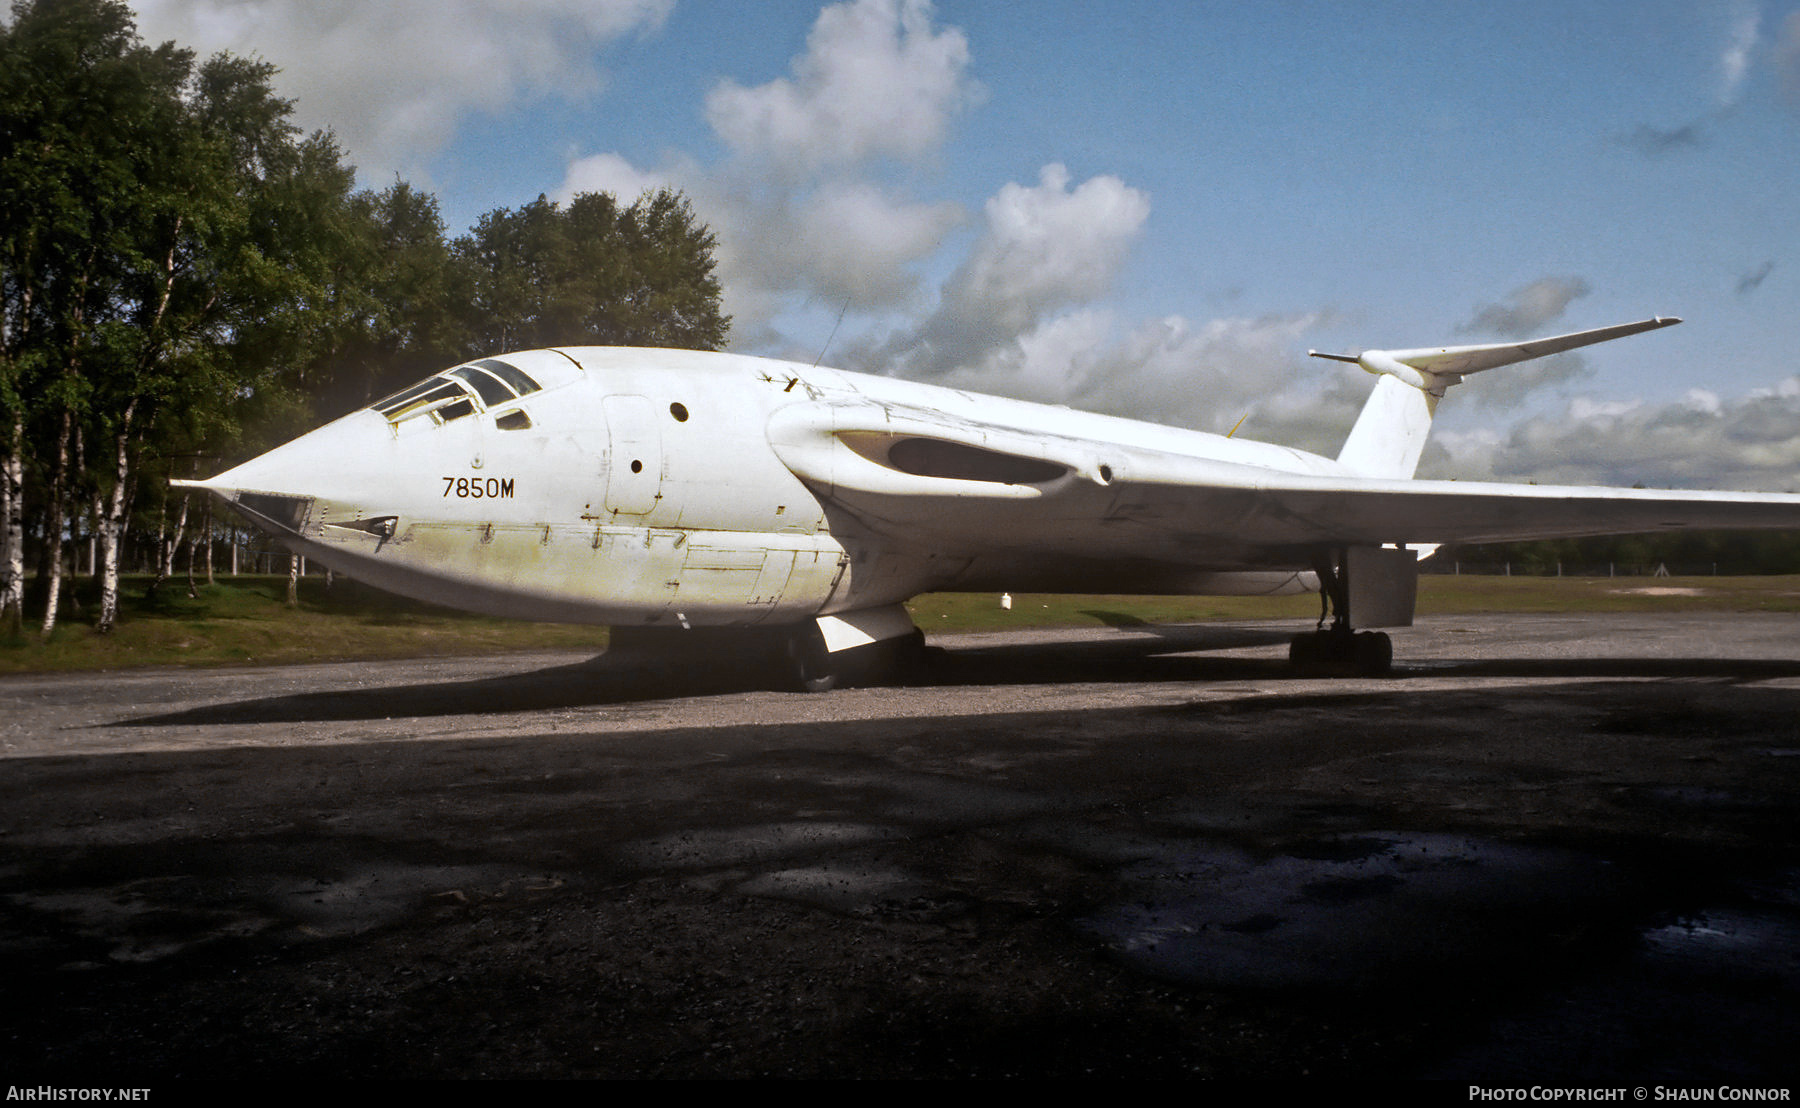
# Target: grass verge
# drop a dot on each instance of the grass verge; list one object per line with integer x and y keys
{"x": 1456, "y": 595}
{"x": 245, "y": 620}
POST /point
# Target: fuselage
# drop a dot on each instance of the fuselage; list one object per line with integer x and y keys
{"x": 640, "y": 487}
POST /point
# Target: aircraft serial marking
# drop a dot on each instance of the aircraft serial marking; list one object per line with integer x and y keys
{"x": 476, "y": 488}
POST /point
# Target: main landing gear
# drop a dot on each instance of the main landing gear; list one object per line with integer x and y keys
{"x": 1338, "y": 647}
{"x": 812, "y": 668}
{"x": 793, "y": 658}
{"x": 1370, "y": 652}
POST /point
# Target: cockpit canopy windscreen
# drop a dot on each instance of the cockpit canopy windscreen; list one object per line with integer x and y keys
{"x": 456, "y": 393}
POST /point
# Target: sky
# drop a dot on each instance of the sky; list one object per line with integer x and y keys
{"x": 1155, "y": 209}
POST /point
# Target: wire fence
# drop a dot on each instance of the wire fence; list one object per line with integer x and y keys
{"x": 1529, "y": 568}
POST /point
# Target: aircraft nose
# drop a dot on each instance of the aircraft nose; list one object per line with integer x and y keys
{"x": 339, "y": 462}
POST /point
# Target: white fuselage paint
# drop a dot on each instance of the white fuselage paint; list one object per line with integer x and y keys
{"x": 660, "y": 487}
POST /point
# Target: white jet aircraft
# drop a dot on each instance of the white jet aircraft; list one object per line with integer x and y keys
{"x": 667, "y": 492}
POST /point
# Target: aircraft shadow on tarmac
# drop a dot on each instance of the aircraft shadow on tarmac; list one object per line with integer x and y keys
{"x": 1150, "y": 654}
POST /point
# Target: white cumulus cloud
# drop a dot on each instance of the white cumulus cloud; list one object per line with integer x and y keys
{"x": 877, "y": 80}
{"x": 1044, "y": 247}
{"x": 1698, "y": 441}
{"x": 855, "y": 241}
{"x": 611, "y": 173}
{"x": 799, "y": 212}
{"x": 395, "y": 79}
{"x": 1211, "y": 375}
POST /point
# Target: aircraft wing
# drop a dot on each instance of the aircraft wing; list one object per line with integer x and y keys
{"x": 963, "y": 485}
{"x": 1371, "y": 512}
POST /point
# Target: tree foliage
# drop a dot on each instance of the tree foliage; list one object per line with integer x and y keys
{"x": 1731, "y": 553}
{"x": 183, "y": 274}
{"x": 594, "y": 273}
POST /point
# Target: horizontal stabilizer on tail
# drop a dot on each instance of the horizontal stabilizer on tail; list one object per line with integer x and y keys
{"x": 1390, "y": 433}
{"x": 1454, "y": 362}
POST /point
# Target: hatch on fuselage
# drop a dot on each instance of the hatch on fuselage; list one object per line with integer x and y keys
{"x": 634, "y": 463}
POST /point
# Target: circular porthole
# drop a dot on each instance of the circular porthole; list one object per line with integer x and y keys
{"x": 1106, "y": 475}
{"x": 679, "y": 411}
{"x": 637, "y": 466}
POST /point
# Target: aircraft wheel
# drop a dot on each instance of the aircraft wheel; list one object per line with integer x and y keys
{"x": 823, "y": 682}
{"x": 911, "y": 658}
{"x": 1317, "y": 648}
{"x": 1370, "y": 652}
{"x": 811, "y": 664}
{"x": 1374, "y": 652}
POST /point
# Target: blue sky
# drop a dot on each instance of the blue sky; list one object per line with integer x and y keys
{"x": 1155, "y": 209}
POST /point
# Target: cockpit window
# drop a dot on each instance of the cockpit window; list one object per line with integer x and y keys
{"x": 394, "y": 403}
{"x": 456, "y": 410}
{"x": 493, "y": 392}
{"x": 452, "y": 394}
{"x": 421, "y": 398}
{"x": 512, "y": 375}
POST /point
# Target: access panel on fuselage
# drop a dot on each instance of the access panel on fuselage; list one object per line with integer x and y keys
{"x": 634, "y": 455}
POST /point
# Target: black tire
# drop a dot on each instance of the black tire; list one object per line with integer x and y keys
{"x": 1315, "y": 648}
{"x": 810, "y": 664}
{"x": 1374, "y": 652}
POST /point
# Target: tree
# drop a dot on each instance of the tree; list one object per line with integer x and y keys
{"x": 672, "y": 296}
{"x": 78, "y": 96}
{"x": 399, "y": 294}
{"x": 182, "y": 272}
{"x": 166, "y": 233}
{"x": 593, "y": 274}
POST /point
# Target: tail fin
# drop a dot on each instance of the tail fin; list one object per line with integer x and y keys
{"x": 1390, "y": 433}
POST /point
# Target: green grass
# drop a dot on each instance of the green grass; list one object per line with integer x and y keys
{"x": 245, "y": 620}
{"x": 1437, "y": 596}
{"x": 940, "y": 612}
{"x": 1464, "y": 595}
